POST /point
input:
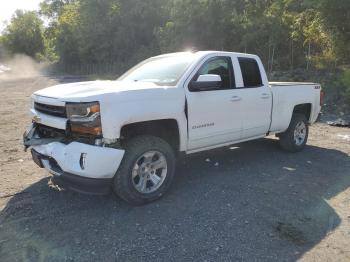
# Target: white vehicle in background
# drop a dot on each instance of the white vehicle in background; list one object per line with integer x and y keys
{"x": 4, "y": 68}
{"x": 125, "y": 135}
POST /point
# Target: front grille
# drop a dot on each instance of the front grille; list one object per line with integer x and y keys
{"x": 66, "y": 136}
{"x": 49, "y": 132}
{"x": 58, "y": 111}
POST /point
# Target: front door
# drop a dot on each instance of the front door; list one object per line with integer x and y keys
{"x": 214, "y": 116}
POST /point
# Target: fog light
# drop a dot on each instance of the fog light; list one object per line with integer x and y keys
{"x": 82, "y": 160}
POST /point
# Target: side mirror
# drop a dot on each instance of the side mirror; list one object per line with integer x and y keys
{"x": 205, "y": 83}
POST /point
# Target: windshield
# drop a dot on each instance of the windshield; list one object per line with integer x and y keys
{"x": 165, "y": 70}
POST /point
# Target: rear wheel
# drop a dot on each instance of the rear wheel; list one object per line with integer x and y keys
{"x": 295, "y": 138}
{"x": 146, "y": 171}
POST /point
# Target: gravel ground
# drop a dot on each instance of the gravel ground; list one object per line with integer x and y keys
{"x": 249, "y": 202}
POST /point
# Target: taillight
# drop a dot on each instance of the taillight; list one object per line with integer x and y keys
{"x": 321, "y": 98}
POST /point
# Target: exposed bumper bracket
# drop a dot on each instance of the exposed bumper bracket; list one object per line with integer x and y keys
{"x": 30, "y": 140}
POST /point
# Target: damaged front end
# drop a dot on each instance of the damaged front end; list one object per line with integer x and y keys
{"x": 36, "y": 135}
{"x": 75, "y": 156}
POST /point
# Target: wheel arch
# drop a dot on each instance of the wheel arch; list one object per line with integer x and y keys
{"x": 281, "y": 121}
{"x": 304, "y": 109}
{"x": 166, "y": 129}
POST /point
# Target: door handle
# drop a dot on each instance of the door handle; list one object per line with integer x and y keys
{"x": 265, "y": 96}
{"x": 236, "y": 99}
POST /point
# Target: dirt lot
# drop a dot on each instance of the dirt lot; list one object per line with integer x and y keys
{"x": 250, "y": 202}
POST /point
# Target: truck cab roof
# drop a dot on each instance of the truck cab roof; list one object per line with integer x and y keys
{"x": 205, "y": 53}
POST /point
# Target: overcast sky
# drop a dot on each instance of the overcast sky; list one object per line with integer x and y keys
{"x": 7, "y": 8}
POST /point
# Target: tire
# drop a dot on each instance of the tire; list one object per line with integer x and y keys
{"x": 294, "y": 140}
{"x": 129, "y": 183}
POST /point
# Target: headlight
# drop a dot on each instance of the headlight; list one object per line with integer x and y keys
{"x": 84, "y": 118}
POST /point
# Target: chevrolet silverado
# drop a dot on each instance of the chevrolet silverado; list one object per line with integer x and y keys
{"x": 126, "y": 134}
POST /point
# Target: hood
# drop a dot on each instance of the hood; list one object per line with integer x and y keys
{"x": 85, "y": 91}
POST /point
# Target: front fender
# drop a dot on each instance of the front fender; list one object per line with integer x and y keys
{"x": 115, "y": 117}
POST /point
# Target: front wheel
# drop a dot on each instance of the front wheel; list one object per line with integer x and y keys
{"x": 146, "y": 171}
{"x": 295, "y": 138}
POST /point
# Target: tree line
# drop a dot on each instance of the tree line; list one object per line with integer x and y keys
{"x": 286, "y": 34}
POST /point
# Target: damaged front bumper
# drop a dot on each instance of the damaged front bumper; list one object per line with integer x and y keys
{"x": 78, "y": 166}
{"x": 30, "y": 138}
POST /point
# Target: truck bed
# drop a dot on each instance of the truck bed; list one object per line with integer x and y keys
{"x": 284, "y": 100}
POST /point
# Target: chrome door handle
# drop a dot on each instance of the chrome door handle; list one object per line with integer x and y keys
{"x": 236, "y": 99}
{"x": 265, "y": 96}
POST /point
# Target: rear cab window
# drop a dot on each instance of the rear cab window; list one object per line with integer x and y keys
{"x": 250, "y": 72}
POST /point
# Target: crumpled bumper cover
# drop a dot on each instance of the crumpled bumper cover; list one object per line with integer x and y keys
{"x": 99, "y": 162}
{"x": 95, "y": 186}
{"x": 94, "y": 176}
{"x": 82, "y": 167}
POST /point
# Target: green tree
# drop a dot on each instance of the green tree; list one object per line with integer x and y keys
{"x": 119, "y": 30}
{"x": 67, "y": 34}
{"x": 24, "y": 34}
{"x": 284, "y": 33}
{"x": 200, "y": 24}
{"x": 106, "y": 31}
{"x": 336, "y": 14}
{"x": 52, "y": 9}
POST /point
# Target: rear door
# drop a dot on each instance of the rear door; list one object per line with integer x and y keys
{"x": 256, "y": 97}
{"x": 214, "y": 116}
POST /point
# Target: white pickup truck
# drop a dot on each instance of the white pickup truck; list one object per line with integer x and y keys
{"x": 125, "y": 135}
